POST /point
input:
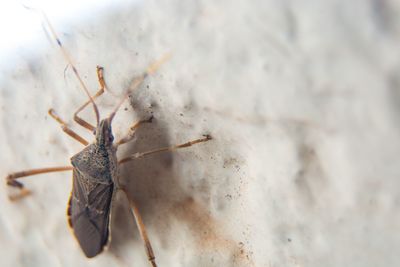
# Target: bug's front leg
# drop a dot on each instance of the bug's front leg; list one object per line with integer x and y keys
{"x": 101, "y": 91}
{"x": 66, "y": 129}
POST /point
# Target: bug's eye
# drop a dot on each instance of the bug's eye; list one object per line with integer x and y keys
{"x": 94, "y": 131}
{"x": 111, "y": 138}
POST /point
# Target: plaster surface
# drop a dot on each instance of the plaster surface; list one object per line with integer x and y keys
{"x": 301, "y": 97}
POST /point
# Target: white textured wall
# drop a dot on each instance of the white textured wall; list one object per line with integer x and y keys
{"x": 302, "y": 98}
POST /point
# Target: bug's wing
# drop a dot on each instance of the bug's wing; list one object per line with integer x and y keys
{"x": 89, "y": 213}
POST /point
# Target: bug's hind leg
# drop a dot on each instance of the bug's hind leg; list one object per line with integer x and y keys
{"x": 102, "y": 89}
{"x": 66, "y": 129}
{"x": 12, "y": 179}
{"x": 142, "y": 230}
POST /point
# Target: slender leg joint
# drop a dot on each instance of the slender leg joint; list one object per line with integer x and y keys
{"x": 132, "y": 131}
{"x": 100, "y": 76}
{"x": 23, "y": 192}
{"x": 142, "y": 230}
{"x": 11, "y": 179}
{"x": 66, "y": 129}
{"x": 102, "y": 89}
{"x": 83, "y": 123}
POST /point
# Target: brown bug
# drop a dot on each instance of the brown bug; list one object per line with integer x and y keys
{"x": 95, "y": 169}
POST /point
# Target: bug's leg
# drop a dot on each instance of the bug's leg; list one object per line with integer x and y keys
{"x": 66, "y": 129}
{"x": 142, "y": 230}
{"x": 163, "y": 149}
{"x": 12, "y": 179}
{"x": 128, "y": 137}
{"x": 102, "y": 89}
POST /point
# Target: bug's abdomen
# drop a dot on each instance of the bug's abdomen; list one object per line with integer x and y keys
{"x": 89, "y": 213}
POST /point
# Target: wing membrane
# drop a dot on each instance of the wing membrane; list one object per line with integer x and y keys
{"x": 89, "y": 213}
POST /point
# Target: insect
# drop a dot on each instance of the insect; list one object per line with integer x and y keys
{"x": 95, "y": 168}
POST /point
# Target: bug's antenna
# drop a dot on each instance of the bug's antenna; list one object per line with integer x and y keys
{"x": 69, "y": 60}
{"x": 138, "y": 80}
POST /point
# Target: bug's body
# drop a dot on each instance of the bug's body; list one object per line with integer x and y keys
{"x": 95, "y": 169}
{"x": 94, "y": 177}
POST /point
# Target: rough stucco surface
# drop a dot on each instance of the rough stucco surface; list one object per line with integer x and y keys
{"x": 302, "y": 98}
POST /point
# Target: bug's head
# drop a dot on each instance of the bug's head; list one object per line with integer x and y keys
{"x": 103, "y": 133}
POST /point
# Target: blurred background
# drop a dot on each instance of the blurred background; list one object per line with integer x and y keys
{"x": 301, "y": 97}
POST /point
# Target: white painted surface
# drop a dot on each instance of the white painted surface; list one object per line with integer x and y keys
{"x": 302, "y": 98}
